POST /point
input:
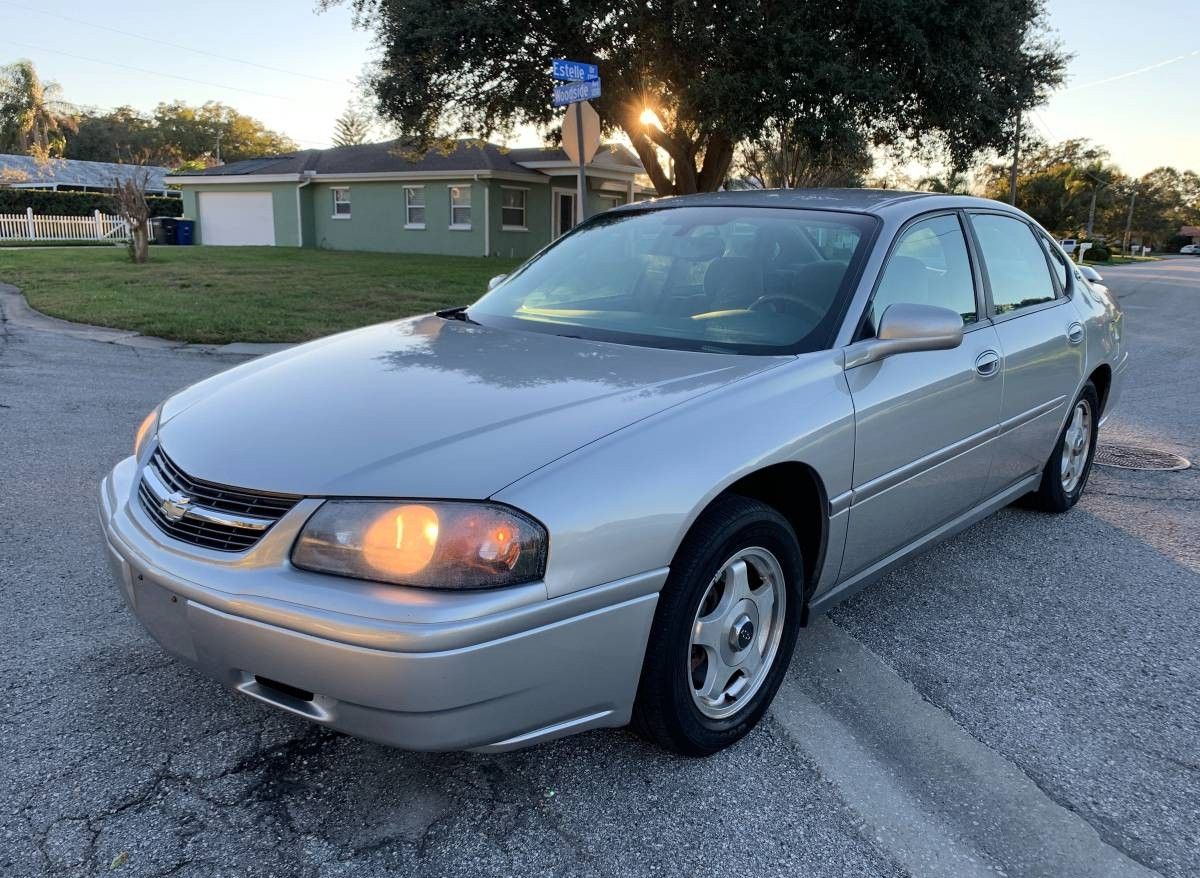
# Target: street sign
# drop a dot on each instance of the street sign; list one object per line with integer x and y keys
{"x": 576, "y": 91}
{"x": 591, "y": 133}
{"x": 581, "y": 138}
{"x": 574, "y": 71}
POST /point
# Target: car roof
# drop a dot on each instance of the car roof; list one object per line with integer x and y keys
{"x": 877, "y": 202}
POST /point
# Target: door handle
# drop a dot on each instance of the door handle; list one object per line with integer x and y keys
{"x": 987, "y": 364}
{"x": 1075, "y": 333}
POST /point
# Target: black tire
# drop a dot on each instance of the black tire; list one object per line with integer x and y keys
{"x": 1050, "y": 495}
{"x": 664, "y": 711}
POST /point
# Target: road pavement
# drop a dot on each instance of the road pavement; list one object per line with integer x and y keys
{"x": 1022, "y": 700}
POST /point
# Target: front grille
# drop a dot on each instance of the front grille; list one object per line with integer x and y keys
{"x": 219, "y": 499}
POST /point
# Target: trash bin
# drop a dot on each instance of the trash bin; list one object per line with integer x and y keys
{"x": 185, "y": 231}
{"x": 168, "y": 224}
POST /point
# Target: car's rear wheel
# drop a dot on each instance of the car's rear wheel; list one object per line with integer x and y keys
{"x": 724, "y": 629}
{"x": 1066, "y": 472}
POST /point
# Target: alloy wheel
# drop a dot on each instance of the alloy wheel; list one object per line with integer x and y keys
{"x": 736, "y": 632}
{"x": 1077, "y": 443}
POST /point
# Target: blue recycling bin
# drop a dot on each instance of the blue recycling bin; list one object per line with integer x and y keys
{"x": 185, "y": 231}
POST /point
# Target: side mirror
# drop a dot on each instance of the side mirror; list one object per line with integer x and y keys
{"x": 905, "y": 328}
{"x": 496, "y": 281}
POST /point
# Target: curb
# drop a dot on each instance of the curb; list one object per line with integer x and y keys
{"x": 15, "y": 310}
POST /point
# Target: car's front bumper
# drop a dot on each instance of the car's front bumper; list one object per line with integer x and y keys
{"x": 418, "y": 669}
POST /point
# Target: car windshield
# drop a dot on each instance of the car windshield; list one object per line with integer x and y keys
{"x": 730, "y": 279}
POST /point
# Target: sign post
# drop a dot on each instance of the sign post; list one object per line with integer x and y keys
{"x": 582, "y": 83}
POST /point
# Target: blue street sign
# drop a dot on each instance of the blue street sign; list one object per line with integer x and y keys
{"x": 576, "y": 91}
{"x": 574, "y": 71}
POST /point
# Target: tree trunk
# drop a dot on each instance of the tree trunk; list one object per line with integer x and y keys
{"x": 139, "y": 242}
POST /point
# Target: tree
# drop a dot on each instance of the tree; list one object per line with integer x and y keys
{"x": 120, "y": 135}
{"x": 716, "y": 74}
{"x": 352, "y": 127}
{"x": 129, "y": 198}
{"x": 187, "y": 133}
{"x": 1055, "y": 183}
{"x": 1166, "y": 200}
{"x": 785, "y": 159}
{"x": 34, "y": 118}
{"x": 950, "y": 183}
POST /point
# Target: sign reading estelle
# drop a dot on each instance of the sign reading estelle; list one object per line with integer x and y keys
{"x": 581, "y": 134}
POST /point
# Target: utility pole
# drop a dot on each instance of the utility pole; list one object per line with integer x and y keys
{"x": 1129, "y": 219}
{"x": 218, "y": 146}
{"x": 582, "y": 212}
{"x": 1012, "y": 173}
{"x": 1092, "y": 211}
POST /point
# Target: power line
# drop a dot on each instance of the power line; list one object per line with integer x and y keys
{"x": 146, "y": 71}
{"x": 168, "y": 43}
{"x": 1137, "y": 72}
{"x": 1044, "y": 125}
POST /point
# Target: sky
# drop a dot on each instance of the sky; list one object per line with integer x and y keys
{"x": 1131, "y": 88}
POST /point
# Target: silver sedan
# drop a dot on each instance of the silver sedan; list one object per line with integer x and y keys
{"x": 618, "y": 486}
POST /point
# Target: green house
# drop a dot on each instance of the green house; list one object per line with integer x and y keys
{"x": 474, "y": 199}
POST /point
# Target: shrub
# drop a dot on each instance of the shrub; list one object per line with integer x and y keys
{"x": 1098, "y": 252}
{"x": 1176, "y": 242}
{"x": 47, "y": 202}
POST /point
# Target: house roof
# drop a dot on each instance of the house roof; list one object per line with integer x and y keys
{"x": 1190, "y": 231}
{"x": 467, "y": 155}
{"x": 25, "y": 171}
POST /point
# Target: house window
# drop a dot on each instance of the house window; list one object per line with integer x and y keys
{"x": 608, "y": 202}
{"x": 341, "y": 204}
{"x": 414, "y": 207}
{"x": 460, "y": 207}
{"x": 512, "y": 208}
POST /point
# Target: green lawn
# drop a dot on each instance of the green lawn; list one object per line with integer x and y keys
{"x": 224, "y": 294}
{"x": 1126, "y": 260}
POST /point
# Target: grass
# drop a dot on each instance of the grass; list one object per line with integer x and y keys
{"x": 1126, "y": 260}
{"x": 222, "y": 294}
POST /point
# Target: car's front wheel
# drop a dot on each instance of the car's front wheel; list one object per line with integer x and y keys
{"x": 1070, "y": 464}
{"x": 724, "y": 629}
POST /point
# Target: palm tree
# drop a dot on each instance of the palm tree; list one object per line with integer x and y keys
{"x": 953, "y": 183}
{"x": 34, "y": 118}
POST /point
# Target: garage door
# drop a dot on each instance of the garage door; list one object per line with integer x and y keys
{"x": 236, "y": 218}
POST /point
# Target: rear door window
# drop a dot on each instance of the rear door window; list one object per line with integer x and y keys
{"x": 1014, "y": 261}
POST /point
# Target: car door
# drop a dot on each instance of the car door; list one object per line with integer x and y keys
{"x": 923, "y": 420}
{"x": 1041, "y": 343}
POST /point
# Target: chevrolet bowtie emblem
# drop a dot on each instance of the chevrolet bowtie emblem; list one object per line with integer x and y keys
{"x": 175, "y": 505}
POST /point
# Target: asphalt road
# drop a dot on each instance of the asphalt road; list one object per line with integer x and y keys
{"x": 1022, "y": 700}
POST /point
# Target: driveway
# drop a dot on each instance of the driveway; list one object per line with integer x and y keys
{"x": 1022, "y": 700}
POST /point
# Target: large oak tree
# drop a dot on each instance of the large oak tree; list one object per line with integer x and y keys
{"x": 718, "y": 74}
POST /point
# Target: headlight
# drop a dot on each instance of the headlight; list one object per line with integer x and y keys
{"x": 422, "y": 543}
{"x": 147, "y": 429}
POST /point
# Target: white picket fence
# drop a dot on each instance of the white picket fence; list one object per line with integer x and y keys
{"x": 29, "y": 226}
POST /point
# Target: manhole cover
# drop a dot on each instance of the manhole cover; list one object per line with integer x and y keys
{"x": 1133, "y": 457}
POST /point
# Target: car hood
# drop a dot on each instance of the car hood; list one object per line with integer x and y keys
{"x": 426, "y": 407}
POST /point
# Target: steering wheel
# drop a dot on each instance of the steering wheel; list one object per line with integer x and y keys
{"x": 773, "y": 301}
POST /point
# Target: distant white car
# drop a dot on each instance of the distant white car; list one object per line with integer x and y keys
{"x": 1068, "y": 245}
{"x": 1190, "y": 249}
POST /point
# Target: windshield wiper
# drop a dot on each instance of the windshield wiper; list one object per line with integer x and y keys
{"x": 459, "y": 313}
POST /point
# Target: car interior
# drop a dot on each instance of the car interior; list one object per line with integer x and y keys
{"x": 758, "y": 280}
